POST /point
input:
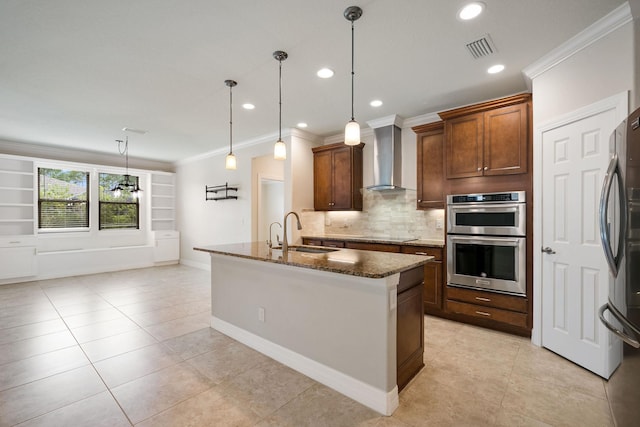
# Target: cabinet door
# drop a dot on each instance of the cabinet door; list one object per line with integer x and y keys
{"x": 322, "y": 172}
{"x": 18, "y": 262}
{"x": 505, "y": 140}
{"x": 342, "y": 182}
{"x": 430, "y": 153}
{"x": 464, "y": 146}
{"x": 433, "y": 285}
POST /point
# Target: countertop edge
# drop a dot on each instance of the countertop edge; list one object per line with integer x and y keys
{"x": 423, "y": 260}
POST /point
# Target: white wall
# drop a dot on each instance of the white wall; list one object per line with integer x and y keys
{"x": 602, "y": 69}
{"x": 203, "y": 223}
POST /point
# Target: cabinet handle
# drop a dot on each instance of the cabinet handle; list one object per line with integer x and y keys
{"x": 421, "y": 253}
{"x": 13, "y": 242}
{"x": 419, "y": 200}
{"x": 483, "y": 313}
{"x": 479, "y": 169}
{"x": 483, "y": 299}
{"x": 486, "y": 168}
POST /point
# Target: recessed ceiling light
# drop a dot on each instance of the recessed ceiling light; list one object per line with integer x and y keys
{"x": 470, "y": 11}
{"x": 248, "y": 106}
{"x": 302, "y": 125}
{"x": 325, "y": 73}
{"x": 375, "y": 103}
{"x": 495, "y": 69}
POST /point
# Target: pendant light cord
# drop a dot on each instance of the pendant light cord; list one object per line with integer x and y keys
{"x": 230, "y": 119}
{"x": 280, "y": 101}
{"x": 352, "y": 72}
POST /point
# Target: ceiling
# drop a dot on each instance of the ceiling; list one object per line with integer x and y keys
{"x": 73, "y": 73}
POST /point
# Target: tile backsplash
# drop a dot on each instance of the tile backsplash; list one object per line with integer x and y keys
{"x": 384, "y": 214}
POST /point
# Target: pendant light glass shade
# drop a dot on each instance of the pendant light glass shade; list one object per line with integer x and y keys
{"x": 280, "y": 149}
{"x": 352, "y": 133}
{"x": 352, "y": 129}
{"x": 230, "y": 161}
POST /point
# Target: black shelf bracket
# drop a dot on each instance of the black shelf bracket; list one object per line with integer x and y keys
{"x": 214, "y": 189}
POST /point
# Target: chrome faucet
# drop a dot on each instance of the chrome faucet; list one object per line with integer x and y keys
{"x": 285, "y": 243}
{"x": 270, "y": 242}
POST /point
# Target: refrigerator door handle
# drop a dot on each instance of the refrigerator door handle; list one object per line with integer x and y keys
{"x": 613, "y": 171}
{"x": 629, "y": 332}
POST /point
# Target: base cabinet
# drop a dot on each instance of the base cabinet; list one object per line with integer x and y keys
{"x": 18, "y": 258}
{"x": 167, "y": 246}
{"x": 509, "y": 310}
{"x": 410, "y": 327}
{"x": 433, "y": 282}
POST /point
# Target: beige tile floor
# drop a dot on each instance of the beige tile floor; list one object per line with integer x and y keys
{"x": 134, "y": 348}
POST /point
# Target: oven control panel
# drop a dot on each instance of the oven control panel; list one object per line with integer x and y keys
{"x": 513, "y": 197}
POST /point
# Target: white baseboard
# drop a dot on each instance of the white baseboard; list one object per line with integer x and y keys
{"x": 195, "y": 264}
{"x": 379, "y": 400}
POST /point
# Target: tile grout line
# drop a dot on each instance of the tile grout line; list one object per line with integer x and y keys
{"x": 90, "y": 363}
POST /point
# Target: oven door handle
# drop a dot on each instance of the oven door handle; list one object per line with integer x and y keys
{"x": 629, "y": 332}
{"x": 614, "y": 261}
{"x": 503, "y": 241}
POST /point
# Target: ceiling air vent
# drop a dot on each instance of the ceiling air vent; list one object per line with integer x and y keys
{"x": 482, "y": 47}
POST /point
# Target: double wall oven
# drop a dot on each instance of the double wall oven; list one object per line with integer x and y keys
{"x": 486, "y": 242}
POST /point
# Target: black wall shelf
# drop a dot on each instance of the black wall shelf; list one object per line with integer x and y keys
{"x": 215, "y": 189}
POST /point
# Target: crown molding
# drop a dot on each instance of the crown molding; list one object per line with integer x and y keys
{"x": 599, "y": 29}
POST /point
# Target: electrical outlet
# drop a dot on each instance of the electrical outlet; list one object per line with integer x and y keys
{"x": 439, "y": 224}
{"x": 261, "y": 314}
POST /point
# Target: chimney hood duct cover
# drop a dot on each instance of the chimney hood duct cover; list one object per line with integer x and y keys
{"x": 387, "y": 158}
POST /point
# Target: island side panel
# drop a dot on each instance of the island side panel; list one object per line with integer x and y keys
{"x": 345, "y": 322}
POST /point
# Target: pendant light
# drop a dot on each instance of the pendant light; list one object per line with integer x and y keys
{"x": 127, "y": 184}
{"x": 230, "y": 162}
{"x": 280, "y": 149}
{"x": 352, "y": 129}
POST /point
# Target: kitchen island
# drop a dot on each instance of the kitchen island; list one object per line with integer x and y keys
{"x": 350, "y": 319}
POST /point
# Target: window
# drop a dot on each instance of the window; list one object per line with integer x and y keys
{"x": 63, "y": 198}
{"x": 117, "y": 211}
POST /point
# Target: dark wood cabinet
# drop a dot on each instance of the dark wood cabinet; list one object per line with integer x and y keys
{"x": 380, "y": 247}
{"x": 493, "y": 307}
{"x": 430, "y": 165}
{"x": 410, "y": 326}
{"x": 433, "y": 276}
{"x": 337, "y": 177}
{"x": 488, "y": 139}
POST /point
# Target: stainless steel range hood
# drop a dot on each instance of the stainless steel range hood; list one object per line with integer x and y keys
{"x": 387, "y": 154}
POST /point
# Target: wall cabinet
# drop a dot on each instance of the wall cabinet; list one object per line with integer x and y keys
{"x": 488, "y": 139}
{"x": 433, "y": 277}
{"x": 337, "y": 177}
{"x": 430, "y": 166}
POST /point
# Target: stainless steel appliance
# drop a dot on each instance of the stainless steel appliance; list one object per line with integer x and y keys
{"x": 486, "y": 241}
{"x": 620, "y": 236}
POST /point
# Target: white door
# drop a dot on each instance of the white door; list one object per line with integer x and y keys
{"x": 575, "y": 275}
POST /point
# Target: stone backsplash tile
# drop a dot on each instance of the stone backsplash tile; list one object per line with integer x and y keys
{"x": 384, "y": 214}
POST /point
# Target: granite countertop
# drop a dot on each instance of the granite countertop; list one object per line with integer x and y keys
{"x": 387, "y": 240}
{"x": 344, "y": 261}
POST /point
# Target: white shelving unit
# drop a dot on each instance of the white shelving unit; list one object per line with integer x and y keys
{"x": 17, "y": 197}
{"x": 163, "y": 215}
{"x": 17, "y": 218}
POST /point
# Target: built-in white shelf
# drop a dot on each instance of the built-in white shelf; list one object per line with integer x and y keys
{"x": 17, "y": 197}
{"x": 163, "y": 201}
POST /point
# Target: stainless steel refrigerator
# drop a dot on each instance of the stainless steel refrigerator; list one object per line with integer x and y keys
{"x": 620, "y": 236}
